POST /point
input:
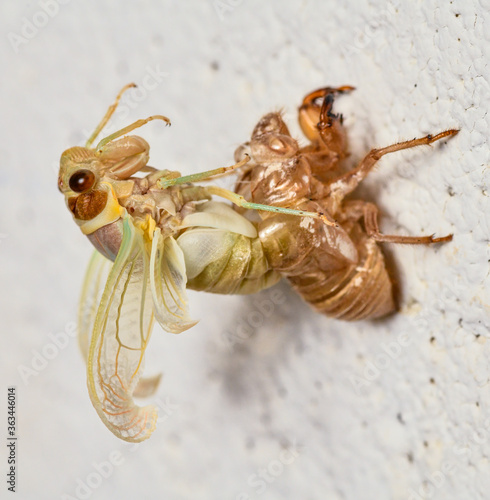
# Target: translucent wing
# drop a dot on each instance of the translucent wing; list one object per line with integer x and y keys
{"x": 120, "y": 336}
{"x": 168, "y": 281}
{"x": 93, "y": 286}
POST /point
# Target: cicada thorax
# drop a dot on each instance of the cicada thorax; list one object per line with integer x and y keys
{"x": 338, "y": 270}
{"x": 107, "y": 239}
{"x": 149, "y": 208}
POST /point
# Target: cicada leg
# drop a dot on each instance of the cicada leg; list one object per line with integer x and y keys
{"x": 168, "y": 181}
{"x": 240, "y": 201}
{"x": 372, "y": 229}
{"x": 129, "y": 128}
{"x": 314, "y": 118}
{"x": 235, "y": 198}
{"x": 346, "y": 183}
{"x": 110, "y": 111}
{"x": 324, "y": 129}
{"x": 108, "y": 115}
{"x": 355, "y": 210}
{"x": 309, "y": 100}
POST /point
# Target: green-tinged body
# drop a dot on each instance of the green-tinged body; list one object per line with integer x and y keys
{"x": 238, "y": 267}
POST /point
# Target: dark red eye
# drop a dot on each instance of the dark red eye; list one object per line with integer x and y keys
{"x": 82, "y": 181}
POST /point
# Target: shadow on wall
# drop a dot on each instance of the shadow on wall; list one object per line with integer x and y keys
{"x": 272, "y": 325}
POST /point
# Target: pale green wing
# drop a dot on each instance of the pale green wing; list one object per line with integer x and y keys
{"x": 93, "y": 286}
{"x": 121, "y": 333}
{"x": 168, "y": 281}
{"x": 202, "y": 246}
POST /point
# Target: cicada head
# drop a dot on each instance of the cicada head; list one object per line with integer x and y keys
{"x": 91, "y": 199}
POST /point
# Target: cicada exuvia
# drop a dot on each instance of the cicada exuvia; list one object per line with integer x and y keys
{"x": 338, "y": 269}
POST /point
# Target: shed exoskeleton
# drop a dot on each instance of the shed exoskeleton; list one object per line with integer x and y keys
{"x": 155, "y": 235}
{"x": 339, "y": 270}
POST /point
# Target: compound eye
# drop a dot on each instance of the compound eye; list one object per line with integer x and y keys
{"x": 82, "y": 181}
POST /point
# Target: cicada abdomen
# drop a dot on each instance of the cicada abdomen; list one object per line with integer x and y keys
{"x": 339, "y": 270}
{"x": 221, "y": 261}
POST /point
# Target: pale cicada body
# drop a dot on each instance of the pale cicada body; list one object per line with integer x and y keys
{"x": 155, "y": 235}
{"x": 339, "y": 270}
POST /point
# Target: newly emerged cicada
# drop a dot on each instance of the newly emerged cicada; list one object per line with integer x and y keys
{"x": 155, "y": 235}
{"x": 338, "y": 269}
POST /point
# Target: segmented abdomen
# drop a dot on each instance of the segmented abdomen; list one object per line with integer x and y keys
{"x": 355, "y": 292}
{"x": 219, "y": 261}
{"x": 353, "y": 288}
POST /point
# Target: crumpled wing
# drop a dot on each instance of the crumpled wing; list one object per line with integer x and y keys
{"x": 120, "y": 336}
{"x": 95, "y": 279}
{"x": 219, "y": 216}
{"x": 168, "y": 281}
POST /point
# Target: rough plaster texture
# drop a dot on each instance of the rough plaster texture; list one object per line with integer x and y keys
{"x": 394, "y": 409}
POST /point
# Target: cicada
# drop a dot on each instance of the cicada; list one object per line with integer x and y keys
{"x": 338, "y": 269}
{"x": 156, "y": 233}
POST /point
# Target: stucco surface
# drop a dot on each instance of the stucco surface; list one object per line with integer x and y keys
{"x": 301, "y": 406}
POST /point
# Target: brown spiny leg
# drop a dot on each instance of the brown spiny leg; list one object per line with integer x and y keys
{"x": 327, "y": 118}
{"x": 325, "y": 131}
{"x": 354, "y": 210}
{"x": 372, "y": 229}
{"x": 346, "y": 183}
{"x": 314, "y": 117}
{"x": 312, "y": 98}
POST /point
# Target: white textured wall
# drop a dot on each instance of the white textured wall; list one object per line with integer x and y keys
{"x": 411, "y": 424}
